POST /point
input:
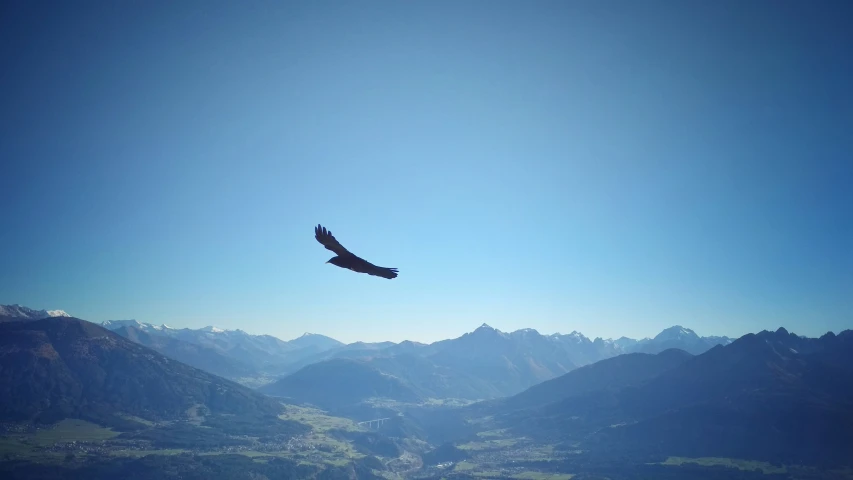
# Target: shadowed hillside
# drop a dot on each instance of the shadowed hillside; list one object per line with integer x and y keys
{"x": 771, "y": 396}
{"x": 61, "y": 367}
{"x": 194, "y": 355}
{"x": 338, "y": 383}
{"x": 611, "y": 374}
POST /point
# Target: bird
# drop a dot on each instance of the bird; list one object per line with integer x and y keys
{"x": 346, "y": 259}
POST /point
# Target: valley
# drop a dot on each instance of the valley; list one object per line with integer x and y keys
{"x": 103, "y": 401}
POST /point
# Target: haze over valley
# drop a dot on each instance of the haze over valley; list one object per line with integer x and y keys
{"x": 488, "y": 403}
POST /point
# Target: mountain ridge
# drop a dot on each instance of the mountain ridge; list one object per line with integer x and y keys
{"x": 59, "y": 367}
{"x": 112, "y": 324}
{"x": 15, "y": 312}
{"x": 773, "y": 396}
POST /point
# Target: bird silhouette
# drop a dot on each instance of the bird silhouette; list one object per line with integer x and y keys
{"x": 348, "y": 260}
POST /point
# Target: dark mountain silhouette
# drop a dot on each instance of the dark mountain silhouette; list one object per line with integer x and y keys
{"x": 610, "y": 374}
{"x": 337, "y": 383}
{"x": 770, "y": 396}
{"x": 61, "y": 367}
{"x": 194, "y": 355}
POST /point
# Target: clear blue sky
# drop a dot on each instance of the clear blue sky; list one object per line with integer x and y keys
{"x": 608, "y": 167}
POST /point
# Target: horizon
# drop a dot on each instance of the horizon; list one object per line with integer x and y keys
{"x": 485, "y": 324}
{"x": 558, "y": 166}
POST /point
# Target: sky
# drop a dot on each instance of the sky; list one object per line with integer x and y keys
{"x": 613, "y": 168}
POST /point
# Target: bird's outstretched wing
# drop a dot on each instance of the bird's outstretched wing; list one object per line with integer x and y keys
{"x": 329, "y": 241}
{"x": 383, "y": 272}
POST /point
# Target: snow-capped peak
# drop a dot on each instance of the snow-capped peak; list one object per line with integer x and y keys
{"x": 676, "y": 332}
{"x": 575, "y": 336}
{"x": 212, "y": 329}
{"x": 116, "y": 324}
{"x": 18, "y": 311}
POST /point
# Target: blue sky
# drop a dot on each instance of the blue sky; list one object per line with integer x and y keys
{"x": 608, "y": 167}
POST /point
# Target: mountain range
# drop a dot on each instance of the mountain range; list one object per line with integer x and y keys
{"x": 17, "y": 312}
{"x": 333, "y": 384}
{"x": 63, "y": 367}
{"x": 233, "y": 354}
{"x": 276, "y": 356}
{"x": 773, "y": 396}
{"x": 483, "y": 364}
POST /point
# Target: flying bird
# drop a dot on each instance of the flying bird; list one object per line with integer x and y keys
{"x": 346, "y": 259}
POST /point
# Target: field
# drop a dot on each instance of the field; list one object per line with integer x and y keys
{"x": 321, "y": 421}
{"x": 727, "y": 462}
{"x": 79, "y": 439}
{"x": 470, "y": 468}
{"x": 543, "y": 476}
{"x": 71, "y": 430}
{"x": 492, "y": 452}
{"x": 495, "y": 444}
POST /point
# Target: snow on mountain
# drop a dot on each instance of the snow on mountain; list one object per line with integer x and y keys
{"x": 212, "y": 329}
{"x": 26, "y": 313}
{"x": 676, "y": 332}
{"x": 719, "y": 340}
{"x": 524, "y": 333}
{"x": 116, "y": 324}
{"x": 258, "y": 351}
{"x": 574, "y": 337}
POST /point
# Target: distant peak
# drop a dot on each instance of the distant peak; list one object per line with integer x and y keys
{"x": 20, "y": 311}
{"x": 212, "y": 329}
{"x": 678, "y": 329}
{"x": 486, "y": 330}
{"x": 307, "y": 334}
